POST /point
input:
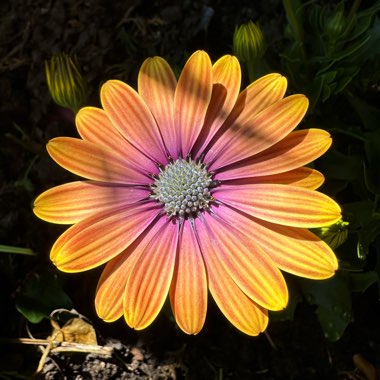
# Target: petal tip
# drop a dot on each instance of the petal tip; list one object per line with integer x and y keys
{"x": 84, "y": 113}
{"x": 111, "y": 85}
{"x": 107, "y": 314}
{"x": 281, "y": 301}
{"x": 189, "y": 330}
{"x": 303, "y": 101}
{"x": 200, "y": 55}
{"x": 53, "y": 145}
{"x": 329, "y": 271}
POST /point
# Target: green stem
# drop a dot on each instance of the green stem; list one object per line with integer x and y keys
{"x": 291, "y": 7}
{"x": 17, "y": 250}
{"x": 252, "y": 72}
{"x": 354, "y": 8}
{"x": 256, "y": 69}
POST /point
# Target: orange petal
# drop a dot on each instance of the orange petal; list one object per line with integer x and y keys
{"x": 101, "y": 237}
{"x": 75, "y": 201}
{"x": 240, "y": 310}
{"x": 156, "y": 84}
{"x": 94, "y": 126}
{"x": 249, "y": 266}
{"x": 301, "y": 177}
{"x": 188, "y": 292}
{"x": 244, "y": 139}
{"x": 131, "y": 116}
{"x": 226, "y": 86}
{"x": 149, "y": 281}
{"x": 295, "y": 150}
{"x": 111, "y": 285}
{"x": 192, "y": 98}
{"x": 93, "y": 161}
{"x": 112, "y": 282}
{"x": 259, "y": 95}
{"x": 294, "y": 250}
{"x": 281, "y": 204}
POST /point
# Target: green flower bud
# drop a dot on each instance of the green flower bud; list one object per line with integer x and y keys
{"x": 67, "y": 86}
{"x": 335, "y": 25}
{"x": 248, "y": 42}
{"x": 335, "y": 234}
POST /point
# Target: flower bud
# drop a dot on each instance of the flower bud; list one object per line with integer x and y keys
{"x": 67, "y": 86}
{"x": 248, "y": 42}
{"x": 335, "y": 234}
{"x": 335, "y": 25}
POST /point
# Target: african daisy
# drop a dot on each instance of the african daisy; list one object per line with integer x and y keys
{"x": 192, "y": 187}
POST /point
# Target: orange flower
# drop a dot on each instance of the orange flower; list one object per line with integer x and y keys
{"x": 192, "y": 187}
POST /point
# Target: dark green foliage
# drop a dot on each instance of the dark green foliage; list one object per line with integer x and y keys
{"x": 40, "y": 294}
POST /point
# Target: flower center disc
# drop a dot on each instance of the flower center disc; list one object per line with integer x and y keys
{"x": 183, "y": 187}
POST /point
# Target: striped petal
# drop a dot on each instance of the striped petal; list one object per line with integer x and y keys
{"x": 156, "y": 85}
{"x": 294, "y": 250}
{"x": 112, "y": 282}
{"x": 260, "y": 95}
{"x": 262, "y": 131}
{"x": 192, "y": 98}
{"x": 301, "y": 177}
{"x": 240, "y": 310}
{"x": 101, "y": 237}
{"x": 188, "y": 292}
{"x": 149, "y": 281}
{"x": 131, "y": 116}
{"x": 94, "y": 126}
{"x": 72, "y": 202}
{"x": 93, "y": 161}
{"x": 247, "y": 264}
{"x": 297, "y": 149}
{"x": 226, "y": 86}
{"x": 111, "y": 285}
{"x": 282, "y": 204}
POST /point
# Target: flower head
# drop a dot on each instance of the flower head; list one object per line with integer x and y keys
{"x": 192, "y": 187}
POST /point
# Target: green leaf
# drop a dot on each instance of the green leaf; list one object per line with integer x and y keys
{"x": 358, "y": 213}
{"x": 346, "y": 78}
{"x": 371, "y": 165}
{"x": 336, "y": 165}
{"x": 294, "y": 15}
{"x": 16, "y": 250}
{"x": 366, "y": 236}
{"x": 376, "y": 207}
{"x": 369, "y": 115}
{"x": 359, "y": 282}
{"x": 362, "y": 26}
{"x": 327, "y": 91}
{"x": 40, "y": 294}
{"x": 315, "y": 91}
{"x": 371, "y": 10}
{"x": 351, "y": 50}
{"x": 333, "y": 297}
{"x": 334, "y": 321}
{"x": 373, "y": 47}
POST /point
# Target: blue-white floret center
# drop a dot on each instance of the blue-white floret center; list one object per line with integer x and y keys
{"x": 183, "y": 187}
